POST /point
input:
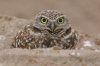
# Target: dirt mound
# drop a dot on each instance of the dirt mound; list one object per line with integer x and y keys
{"x": 9, "y": 26}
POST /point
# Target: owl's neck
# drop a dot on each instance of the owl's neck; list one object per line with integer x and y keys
{"x": 68, "y": 31}
{"x": 37, "y": 30}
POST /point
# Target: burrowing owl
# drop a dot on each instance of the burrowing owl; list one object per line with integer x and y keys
{"x": 50, "y": 28}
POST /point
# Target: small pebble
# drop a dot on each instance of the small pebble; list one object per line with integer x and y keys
{"x": 97, "y": 50}
{"x": 78, "y": 54}
{"x": 73, "y": 53}
{"x": 2, "y": 37}
{"x": 87, "y": 44}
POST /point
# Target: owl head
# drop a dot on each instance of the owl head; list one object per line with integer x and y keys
{"x": 52, "y": 22}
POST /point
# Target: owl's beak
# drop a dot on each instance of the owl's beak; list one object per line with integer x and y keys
{"x": 52, "y": 27}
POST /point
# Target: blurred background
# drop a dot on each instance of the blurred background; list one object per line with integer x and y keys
{"x": 83, "y": 14}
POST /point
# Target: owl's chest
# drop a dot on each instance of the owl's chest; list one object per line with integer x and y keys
{"x": 61, "y": 42}
{"x": 50, "y": 42}
{"x": 46, "y": 41}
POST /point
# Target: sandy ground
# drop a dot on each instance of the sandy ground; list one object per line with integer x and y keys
{"x": 9, "y": 26}
{"x": 84, "y": 16}
{"x": 49, "y": 57}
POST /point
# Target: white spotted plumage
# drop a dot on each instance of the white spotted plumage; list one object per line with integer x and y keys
{"x": 50, "y": 34}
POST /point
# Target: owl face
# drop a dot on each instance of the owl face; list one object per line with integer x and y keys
{"x": 52, "y": 22}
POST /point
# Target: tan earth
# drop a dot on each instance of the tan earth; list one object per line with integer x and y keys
{"x": 84, "y": 16}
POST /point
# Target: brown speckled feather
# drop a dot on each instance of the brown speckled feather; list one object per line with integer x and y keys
{"x": 38, "y": 35}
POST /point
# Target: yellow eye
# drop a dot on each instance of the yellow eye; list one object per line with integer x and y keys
{"x": 60, "y": 20}
{"x": 43, "y": 20}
